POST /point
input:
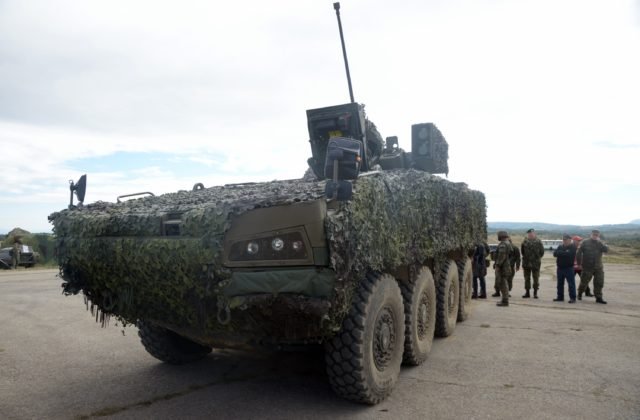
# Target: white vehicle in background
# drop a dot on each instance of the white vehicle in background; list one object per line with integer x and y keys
{"x": 551, "y": 244}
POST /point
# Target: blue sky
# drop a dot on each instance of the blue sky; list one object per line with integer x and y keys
{"x": 539, "y": 101}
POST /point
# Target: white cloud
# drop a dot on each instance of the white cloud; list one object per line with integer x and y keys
{"x": 532, "y": 96}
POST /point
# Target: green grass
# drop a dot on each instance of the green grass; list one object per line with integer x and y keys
{"x": 622, "y": 255}
{"x": 624, "y": 246}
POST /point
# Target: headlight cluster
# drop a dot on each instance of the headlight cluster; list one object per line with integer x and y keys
{"x": 285, "y": 246}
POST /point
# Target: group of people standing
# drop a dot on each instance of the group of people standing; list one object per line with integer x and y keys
{"x": 574, "y": 256}
{"x": 582, "y": 257}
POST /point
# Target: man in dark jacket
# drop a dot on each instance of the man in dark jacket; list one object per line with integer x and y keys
{"x": 479, "y": 265}
{"x": 565, "y": 256}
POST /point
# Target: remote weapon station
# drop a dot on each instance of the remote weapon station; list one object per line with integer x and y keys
{"x": 368, "y": 255}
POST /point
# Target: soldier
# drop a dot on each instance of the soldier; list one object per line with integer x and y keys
{"x": 503, "y": 266}
{"x": 514, "y": 259}
{"x": 565, "y": 256}
{"x": 15, "y": 255}
{"x": 479, "y": 265}
{"x": 577, "y": 269}
{"x": 589, "y": 256}
{"x": 532, "y": 252}
{"x": 496, "y": 281}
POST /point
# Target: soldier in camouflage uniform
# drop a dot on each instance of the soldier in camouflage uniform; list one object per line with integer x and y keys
{"x": 503, "y": 266}
{"x": 577, "y": 269}
{"x": 496, "y": 281}
{"x": 15, "y": 255}
{"x": 532, "y": 252}
{"x": 589, "y": 256}
{"x": 514, "y": 262}
{"x": 514, "y": 259}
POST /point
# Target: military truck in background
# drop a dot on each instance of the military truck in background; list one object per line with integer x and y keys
{"x": 370, "y": 258}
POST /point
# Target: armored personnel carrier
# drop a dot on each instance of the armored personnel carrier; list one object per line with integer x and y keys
{"x": 368, "y": 255}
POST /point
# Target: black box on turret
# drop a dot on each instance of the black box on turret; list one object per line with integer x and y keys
{"x": 429, "y": 149}
{"x": 347, "y": 121}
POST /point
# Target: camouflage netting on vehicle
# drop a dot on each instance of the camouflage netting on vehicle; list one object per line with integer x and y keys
{"x": 405, "y": 217}
{"x": 116, "y": 255}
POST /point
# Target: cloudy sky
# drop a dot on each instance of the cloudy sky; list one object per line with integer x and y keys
{"x": 539, "y": 100}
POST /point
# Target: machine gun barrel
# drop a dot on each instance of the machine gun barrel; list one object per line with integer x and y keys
{"x": 336, "y": 6}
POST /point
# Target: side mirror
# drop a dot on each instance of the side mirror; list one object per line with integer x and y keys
{"x": 79, "y": 188}
{"x": 344, "y": 157}
{"x": 342, "y": 164}
{"x": 340, "y": 190}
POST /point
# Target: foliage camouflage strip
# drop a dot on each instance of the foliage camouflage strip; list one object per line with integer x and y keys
{"x": 115, "y": 254}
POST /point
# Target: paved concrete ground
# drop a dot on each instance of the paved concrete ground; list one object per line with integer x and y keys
{"x": 536, "y": 359}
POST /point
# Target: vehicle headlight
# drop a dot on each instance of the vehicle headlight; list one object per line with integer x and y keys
{"x": 276, "y": 246}
{"x": 253, "y": 248}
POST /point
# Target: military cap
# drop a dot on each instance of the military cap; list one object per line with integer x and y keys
{"x": 595, "y": 231}
{"x": 502, "y": 235}
{"x": 565, "y": 236}
{"x": 531, "y": 230}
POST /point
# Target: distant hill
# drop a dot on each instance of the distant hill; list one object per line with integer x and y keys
{"x": 526, "y": 226}
{"x": 635, "y": 222}
{"x": 21, "y": 233}
{"x": 571, "y": 229}
{"x": 18, "y": 232}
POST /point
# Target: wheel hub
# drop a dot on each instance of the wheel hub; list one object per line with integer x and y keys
{"x": 384, "y": 338}
{"x": 452, "y": 298}
{"x": 423, "y": 316}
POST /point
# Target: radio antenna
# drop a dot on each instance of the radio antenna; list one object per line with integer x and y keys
{"x": 336, "y": 6}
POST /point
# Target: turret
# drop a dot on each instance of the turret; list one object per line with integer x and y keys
{"x": 344, "y": 142}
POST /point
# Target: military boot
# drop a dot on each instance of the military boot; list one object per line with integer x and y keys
{"x": 496, "y": 294}
{"x": 526, "y": 295}
{"x": 579, "y": 295}
{"x": 600, "y": 300}
{"x": 587, "y": 292}
{"x": 535, "y": 293}
{"x": 502, "y": 303}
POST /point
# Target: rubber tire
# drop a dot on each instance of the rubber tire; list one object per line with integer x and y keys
{"x": 448, "y": 293}
{"x": 465, "y": 273}
{"x": 169, "y": 347}
{"x": 416, "y": 349}
{"x": 351, "y": 368}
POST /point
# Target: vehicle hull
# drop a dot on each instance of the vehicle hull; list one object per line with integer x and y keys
{"x": 122, "y": 258}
